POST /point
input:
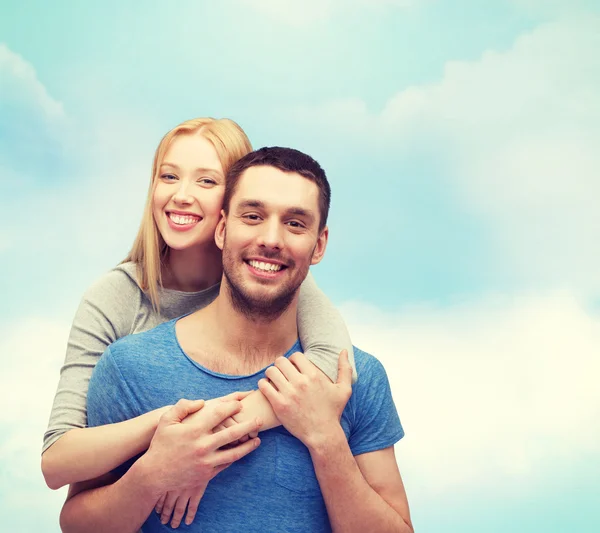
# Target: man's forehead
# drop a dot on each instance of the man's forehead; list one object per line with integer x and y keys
{"x": 270, "y": 186}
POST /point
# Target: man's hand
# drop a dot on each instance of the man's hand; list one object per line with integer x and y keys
{"x": 174, "y": 504}
{"x": 306, "y": 402}
{"x": 184, "y": 456}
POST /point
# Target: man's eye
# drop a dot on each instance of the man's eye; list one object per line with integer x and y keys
{"x": 295, "y": 224}
{"x": 251, "y": 217}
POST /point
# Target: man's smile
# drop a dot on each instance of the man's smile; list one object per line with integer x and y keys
{"x": 265, "y": 267}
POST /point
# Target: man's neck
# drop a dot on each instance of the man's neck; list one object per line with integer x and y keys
{"x": 227, "y": 340}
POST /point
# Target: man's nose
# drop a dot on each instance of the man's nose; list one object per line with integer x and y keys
{"x": 271, "y": 234}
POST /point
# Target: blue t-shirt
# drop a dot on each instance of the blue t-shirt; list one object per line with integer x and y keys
{"x": 274, "y": 488}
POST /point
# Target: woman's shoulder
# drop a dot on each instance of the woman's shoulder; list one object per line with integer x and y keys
{"x": 115, "y": 288}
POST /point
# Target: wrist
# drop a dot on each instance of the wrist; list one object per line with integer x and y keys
{"x": 143, "y": 477}
{"x": 323, "y": 443}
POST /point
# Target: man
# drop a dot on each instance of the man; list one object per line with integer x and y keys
{"x": 331, "y": 466}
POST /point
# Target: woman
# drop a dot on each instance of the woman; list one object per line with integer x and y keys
{"x": 174, "y": 268}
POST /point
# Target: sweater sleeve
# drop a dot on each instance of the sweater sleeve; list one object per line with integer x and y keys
{"x": 105, "y": 314}
{"x": 322, "y": 330}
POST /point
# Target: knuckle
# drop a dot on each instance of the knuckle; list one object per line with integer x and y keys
{"x": 220, "y": 411}
{"x": 201, "y": 451}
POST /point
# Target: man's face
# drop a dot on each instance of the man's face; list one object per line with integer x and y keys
{"x": 270, "y": 238}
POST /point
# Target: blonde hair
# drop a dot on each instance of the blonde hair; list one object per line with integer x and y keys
{"x": 149, "y": 249}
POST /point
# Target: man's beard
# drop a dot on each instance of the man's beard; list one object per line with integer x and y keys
{"x": 265, "y": 307}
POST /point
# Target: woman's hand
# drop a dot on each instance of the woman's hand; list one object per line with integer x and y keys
{"x": 231, "y": 421}
{"x": 176, "y": 503}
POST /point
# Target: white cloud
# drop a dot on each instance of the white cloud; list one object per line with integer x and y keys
{"x": 94, "y": 213}
{"x": 517, "y": 132}
{"x": 496, "y": 392}
{"x": 20, "y": 82}
{"x": 32, "y": 353}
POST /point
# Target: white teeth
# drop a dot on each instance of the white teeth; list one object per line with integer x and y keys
{"x": 183, "y": 219}
{"x": 267, "y": 267}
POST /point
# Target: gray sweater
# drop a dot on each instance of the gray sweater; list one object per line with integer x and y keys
{"x": 115, "y": 306}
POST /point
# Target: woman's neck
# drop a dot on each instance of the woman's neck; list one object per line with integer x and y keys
{"x": 193, "y": 269}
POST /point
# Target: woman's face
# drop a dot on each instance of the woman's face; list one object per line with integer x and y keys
{"x": 189, "y": 192}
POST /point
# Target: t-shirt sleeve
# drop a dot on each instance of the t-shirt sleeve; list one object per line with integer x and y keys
{"x": 105, "y": 314}
{"x": 376, "y": 422}
{"x": 109, "y": 398}
{"x": 322, "y": 330}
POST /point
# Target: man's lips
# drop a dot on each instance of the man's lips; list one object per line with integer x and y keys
{"x": 265, "y": 267}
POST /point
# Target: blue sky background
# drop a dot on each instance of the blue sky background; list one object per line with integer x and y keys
{"x": 461, "y": 139}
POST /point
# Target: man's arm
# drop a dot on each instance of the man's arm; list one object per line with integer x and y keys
{"x": 109, "y": 504}
{"x": 182, "y": 455}
{"x": 362, "y": 493}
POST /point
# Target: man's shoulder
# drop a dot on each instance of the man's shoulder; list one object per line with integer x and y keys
{"x": 158, "y": 337}
{"x": 367, "y": 365}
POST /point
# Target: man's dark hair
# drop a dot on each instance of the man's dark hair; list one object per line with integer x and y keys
{"x": 287, "y": 160}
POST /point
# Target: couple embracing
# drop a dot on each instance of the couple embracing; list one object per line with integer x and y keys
{"x": 209, "y": 384}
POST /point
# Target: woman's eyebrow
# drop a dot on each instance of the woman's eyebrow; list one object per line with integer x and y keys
{"x": 199, "y": 169}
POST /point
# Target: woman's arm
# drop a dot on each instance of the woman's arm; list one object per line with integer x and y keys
{"x": 71, "y": 451}
{"x": 86, "y": 453}
{"x": 322, "y": 330}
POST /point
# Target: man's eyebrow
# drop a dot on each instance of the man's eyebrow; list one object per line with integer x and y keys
{"x": 295, "y": 211}
{"x": 243, "y": 204}
{"x": 301, "y": 212}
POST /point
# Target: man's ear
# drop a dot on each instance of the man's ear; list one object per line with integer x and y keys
{"x": 319, "y": 250}
{"x": 220, "y": 230}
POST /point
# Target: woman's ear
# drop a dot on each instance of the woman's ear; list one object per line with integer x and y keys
{"x": 220, "y": 231}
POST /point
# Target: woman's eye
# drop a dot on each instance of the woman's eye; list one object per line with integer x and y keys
{"x": 168, "y": 177}
{"x": 207, "y": 181}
